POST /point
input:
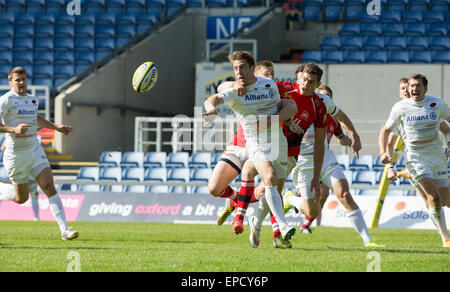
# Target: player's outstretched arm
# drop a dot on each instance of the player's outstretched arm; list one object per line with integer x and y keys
{"x": 19, "y": 129}
{"x": 210, "y": 105}
{"x": 43, "y": 123}
{"x": 383, "y": 138}
{"x": 342, "y": 117}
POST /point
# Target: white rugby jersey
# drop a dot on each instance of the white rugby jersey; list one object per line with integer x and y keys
{"x": 15, "y": 110}
{"x": 418, "y": 121}
{"x": 260, "y": 99}
{"x": 307, "y": 145}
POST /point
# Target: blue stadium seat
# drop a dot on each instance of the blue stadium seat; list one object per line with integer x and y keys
{"x": 215, "y": 159}
{"x": 178, "y": 174}
{"x": 365, "y": 162}
{"x": 420, "y": 57}
{"x": 343, "y": 160}
{"x": 368, "y": 192}
{"x": 42, "y": 81}
{"x": 396, "y": 56}
{"x": 65, "y": 30}
{"x": 135, "y": 6}
{"x": 366, "y": 18}
{"x": 15, "y": 6}
{"x": 115, "y": 6}
{"x": 354, "y": 56}
{"x": 156, "y": 3}
{"x": 155, "y": 159}
{"x": 194, "y": 3}
{"x": 43, "y": 58}
{"x": 412, "y": 16}
{"x": 162, "y": 189}
{"x": 391, "y": 16}
{"x": 134, "y": 189}
{"x": 24, "y": 30}
{"x": 331, "y": 43}
{"x": 434, "y": 17}
{"x": 311, "y": 10}
{"x": 442, "y": 57}
{"x": 439, "y": 5}
{"x": 85, "y": 19}
{"x": 331, "y": 11}
{"x": 437, "y": 29}
{"x": 375, "y": 56}
{"x": 350, "y": 29}
{"x": 439, "y": 43}
{"x": 179, "y": 190}
{"x": 126, "y": 18}
{"x": 65, "y": 71}
{"x": 393, "y": 29}
{"x": 110, "y": 174}
{"x": 35, "y": 6}
{"x": 374, "y": 43}
{"x": 90, "y": 173}
{"x": 104, "y": 44}
{"x": 133, "y": 174}
{"x": 23, "y": 57}
{"x": 415, "y": 29}
{"x": 55, "y": 6}
{"x": 377, "y": 165}
{"x": 353, "y": 11}
{"x": 84, "y": 44}
{"x": 400, "y": 163}
{"x": 7, "y": 18}
{"x": 44, "y": 30}
{"x": 43, "y": 44}
{"x": 86, "y": 58}
{"x": 6, "y": 30}
{"x": 371, "y": 29}
{"x": 368, "y": 177}
{"x": 349, "y": 176}
{"x": 417, "y": 43}
{"x": 43, "y": 71}
{"x": 94, "y": 6}
{"x": 105, "y": 30}
{"x": 132, "y": 159}
{"x": 178, "y": 159}
{"x": 352, "y": 43}
{"x": 110, "y": 158}
{"x": 126, "y": 31}
{"x": 63, "y": 57}
{"x": 23, "y": 44}
{"x": 121, "y": 41}
{"x": 155, "y": 174}
{"x": 201, "y": 174}
{"x": 64, "y": 44}
{"x": 89, "y": 188}
{"x": 200, "y": 190}
{"x": 200, "y": 159}
{"x": 417, "y": 6}
{"x": 6, "y": 45}
{"x": 332, "y": 56}
{"x": 396, "y": 43}
{"x": 312, "y": 56}
{"x": 64, "y": 18}
{"x": 84, "y": 30}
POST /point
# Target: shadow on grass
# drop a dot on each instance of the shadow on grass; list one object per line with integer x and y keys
{"x": 388, "y": 250}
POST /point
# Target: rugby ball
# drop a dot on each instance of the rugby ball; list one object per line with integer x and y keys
{"x": 145, "y": 77}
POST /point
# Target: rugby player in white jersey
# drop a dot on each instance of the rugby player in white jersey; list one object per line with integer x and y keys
{"x": 419, "y": 119}
{"x": 257, "y": 111}
{"x": 24, "y": 156}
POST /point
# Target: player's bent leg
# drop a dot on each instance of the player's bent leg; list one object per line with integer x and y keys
{"x": 45, "y": 181}
{"x": 222, "y": 175}
{"x": 444, "y": 196}
{"x": 21, "y": 193}
{"x": 342, "y": 191}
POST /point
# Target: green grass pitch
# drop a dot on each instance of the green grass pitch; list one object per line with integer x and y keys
{"x": 157, "y": 247}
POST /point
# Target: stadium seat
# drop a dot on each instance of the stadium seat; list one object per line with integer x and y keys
{"x": 366, "y": 18}
{"x": 311, "y": 10}
{"x": 134, "y": 189}
{"x": 422, "y": 7}
{"x": 396, "y": 192}
{"x": 368, "y": 177}
{"x": 331, "y": 43}
{"x": 179, "y": 189}
{"x": 64, "y": 18}
{"x": 178, "y": 174}
{"x": 393, "y": 29}
{"x": 215, "y": 159}
{"x": 110, "y": 174}
{"x": 7, "y": 18}
{"x": 43, "y": 71}
{"x": 105, "y": 19}
{"x": 23, "y": 44}
{"x": 132, "y": 159}
{"x": 43, "y": 58}
{"x": 396, "y": 43}
{"x": 6, "y": 45}
{"x": 373, "y": 43}
{"x": 365, "y": 162}
{"x": 332, "y": 56}
{"x": 200, "y": 159}
{"x": 105, "y": 30}
{"x": 350, "y": 29}
{"x": 65, "y": 30}
{"x": 15, "y": 6}
{"x": 442, "y": 57}
{"x": 415, "y": 29}
{"x": 84, "y": 30}
{"x": 110, "y": 158}
{"x": 349, "y": 176}
{"x": 63, "y": 57}
{"x": 104, "y": 44}
{"x": 343, "y": 160}
{"x": 23, "y": 57}
{"x": 368, "y": 192}
{"x": 155, "y": 3}
{"x": 312, "y": 56}
{"x": 417, "y": 43}
{"x": 352, "y": 56}
{"x": 434, "y": 17}
{"x": 90, "y": 173}
{"x": 125, "y": 18}
{"x": 35, "y": 6}
{"x": 352, "y": 43}
{"x": 135, "y": 6}
{"x": 6, "y": 57}
{"x": 437, "y": 29}
{"x": 84, "y": 58}
{"x": 439, "y": 5}
{"x": 64, "y": 44}
{"x": 331, "y": 11}
{"x": 420, "y": 57}
{"x": 400, "y": 163}
{"x": 194, "y": 3}
{"x": 371, "y": 29}
{"x": 200, "y": 190}
{"x": 84, "y": 44}
{"x": 65, "y": 71}
{"x": 155, "y": 159}
{"x": 6, "y": 31}
{"x": 412, "y": 16}
{"x": 89, "y": 188}
{"x": 115, "y": 6}
{"x": 158, "y": 189}
{"x": 376, "y": 56}
{"x": 55, "y": 6}
{"x": 94, "y": 6}
{"x": 133, "y": 174}
{"x": 391, "y": 16}
{"x": 353, "y": 11}
{"x": 377, "y": 165}
{"x": 43, "y": 44}
{"x": 155, "y": 174}
{"x": 44, "y": 30}
{"x": 201, "y": 174}
{"x": 178, "y": 159}
{"x": 398, "y": 56}
{"x": 85, "y": 19}
{"x": 126, "y": 30}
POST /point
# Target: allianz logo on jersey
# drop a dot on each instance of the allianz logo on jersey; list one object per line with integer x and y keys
{"x": 27, "y": 112}
{"x": 432, "y": 116}
{"x": 249, "y": 97}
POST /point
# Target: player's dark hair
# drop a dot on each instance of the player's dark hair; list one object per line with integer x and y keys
{"x": 313, "y": 68}
{"x": 420, "y": 77}
{"x": 264, "y": 63}
{"x": 242, "y": 55}
{"x": 299, "y": 69}
{"x": 16, "y": 70}
{"x": 327, "y": 89}
{"x": 403, "y": 80}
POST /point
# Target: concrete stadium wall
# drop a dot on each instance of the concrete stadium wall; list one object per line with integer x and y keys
{"x": 175, "y": 49}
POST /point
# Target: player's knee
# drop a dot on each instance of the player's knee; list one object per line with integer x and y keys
{"x": 215, "y": 190}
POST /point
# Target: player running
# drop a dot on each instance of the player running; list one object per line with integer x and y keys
{"x": 24, "y": 156}
{"x": 419, "y": 119}
{"x": 266, "y": 146}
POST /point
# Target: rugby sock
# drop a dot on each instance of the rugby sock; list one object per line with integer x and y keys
{"x": 437, "y": 215}
{"x": 244, "y": 197}
{"x": 34, "y": 200}
{"x": 275, "y": 227}
{"x": 6, "y": 192}
{"x": 296, "y": 201}
{"x": 261, "y": 212}
{"x": 307, "y": 222}
{"x": 275, "y": 203}
{"x": 57, "y": 209}
{"x": 229, "y": 192}
{"x": 356, "y": 219}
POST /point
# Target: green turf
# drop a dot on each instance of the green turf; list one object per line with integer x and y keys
{"x": 36, "y": 246}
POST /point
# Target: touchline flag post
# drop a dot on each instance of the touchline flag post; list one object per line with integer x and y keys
{"x": 384, "y": 185}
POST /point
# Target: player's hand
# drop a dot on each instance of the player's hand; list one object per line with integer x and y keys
{"x": 392, "y": 175}
{"x": 21, "y": 128}
{"x": 315, "y": 186}
{"x": 345, "y": 141}
{"x": 294, "y": 128}
{"x": 356, "y": 146}
{"x": 386, "y": 158}
{"x": 209, "y": 117}
{"x": 239, "y": 87}
{"x": 64, "y": 129}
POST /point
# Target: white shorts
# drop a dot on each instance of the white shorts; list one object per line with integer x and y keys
{"x": 304, "y": 171}
{"x": 428, "y": 165}
{"x": 21, "y": 166}
{"x": 235, "y": 156}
